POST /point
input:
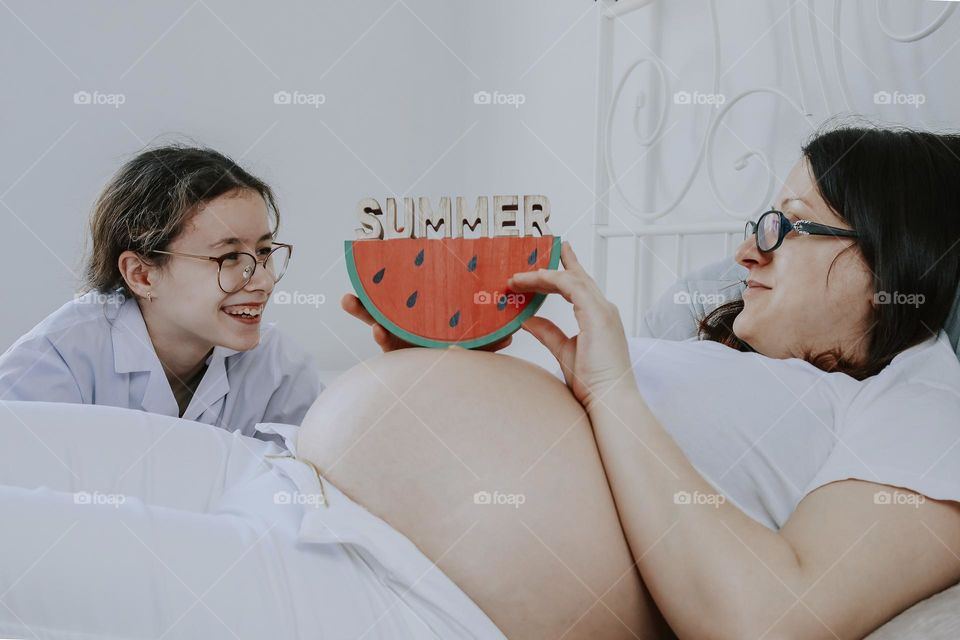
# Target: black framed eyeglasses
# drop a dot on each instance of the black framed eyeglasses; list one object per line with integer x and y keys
{"x": 235, "y": 269}
{"x": 773, "y": 226}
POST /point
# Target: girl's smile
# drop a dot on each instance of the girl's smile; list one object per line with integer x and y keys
{"x": 247, "y": 313}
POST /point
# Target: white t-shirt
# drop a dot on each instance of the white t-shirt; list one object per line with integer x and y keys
{"x": 765, "y": 432}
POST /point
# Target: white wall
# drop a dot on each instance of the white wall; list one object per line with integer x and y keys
{"x": 398, "y": 118}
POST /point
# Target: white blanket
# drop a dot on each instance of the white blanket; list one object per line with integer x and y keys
{"x": 119, "y": 523}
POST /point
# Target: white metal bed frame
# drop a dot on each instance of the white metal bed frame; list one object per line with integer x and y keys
{"x": 648, "y": 215}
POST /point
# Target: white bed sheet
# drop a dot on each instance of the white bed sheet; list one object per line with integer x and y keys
{"x": 119, "y": 523}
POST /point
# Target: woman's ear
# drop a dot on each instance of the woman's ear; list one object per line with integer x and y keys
{"x": 139, "y": 275}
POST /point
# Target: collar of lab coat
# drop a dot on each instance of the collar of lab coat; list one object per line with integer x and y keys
{"x": 133, "y": 352}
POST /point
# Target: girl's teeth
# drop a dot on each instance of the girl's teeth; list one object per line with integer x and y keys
{"x": 248, "y": 312}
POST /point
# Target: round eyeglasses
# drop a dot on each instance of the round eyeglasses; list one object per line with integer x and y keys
{"x": 773, "y": 226}
{"x": 235, "y": 269}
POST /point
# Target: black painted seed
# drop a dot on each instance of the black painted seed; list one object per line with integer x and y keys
{"x": 378, "y": 276}
{"x": 419, "y": 259}
{"x": 533, "y": 257}
{"x": 412, "y": 300}
{"x": 472, "y": 264}
{"x": 455, "y": 319}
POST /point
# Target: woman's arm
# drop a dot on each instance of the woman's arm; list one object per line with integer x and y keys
{"x": 34, "y": 370}
{"x": 840, "y": 567}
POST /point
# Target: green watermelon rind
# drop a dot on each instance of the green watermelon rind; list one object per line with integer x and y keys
{"x": 389, "y": 325}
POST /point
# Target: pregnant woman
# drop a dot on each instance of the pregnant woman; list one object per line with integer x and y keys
{"x": 793, "y": 474}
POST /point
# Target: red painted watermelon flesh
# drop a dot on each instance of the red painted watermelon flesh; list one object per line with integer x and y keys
{"x": 442, "y": 291}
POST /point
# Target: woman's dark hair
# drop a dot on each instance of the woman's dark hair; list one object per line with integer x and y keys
{"x": 149, "y": 200}
{"x": 899, "y": 189}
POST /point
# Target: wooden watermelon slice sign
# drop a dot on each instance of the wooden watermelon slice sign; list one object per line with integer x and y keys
{"x": 439, "y": 292}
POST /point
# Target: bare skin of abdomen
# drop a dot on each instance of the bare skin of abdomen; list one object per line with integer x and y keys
{"x": 488, "y": 464}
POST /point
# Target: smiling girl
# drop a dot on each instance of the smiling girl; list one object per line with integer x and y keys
{"x": 183, "y": 262}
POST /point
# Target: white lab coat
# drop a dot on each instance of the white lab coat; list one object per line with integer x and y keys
{"x": 95, "y": 349}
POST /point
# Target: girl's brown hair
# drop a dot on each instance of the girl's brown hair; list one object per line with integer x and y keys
{"x": 900, "y": 191}
{"x": 147, "y": 203}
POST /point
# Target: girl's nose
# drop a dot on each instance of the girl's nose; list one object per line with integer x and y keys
{"x": 261, "y": 280}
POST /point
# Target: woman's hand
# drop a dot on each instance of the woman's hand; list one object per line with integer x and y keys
{"x": 386, "y": 340}
{"x": 597, "y": 358}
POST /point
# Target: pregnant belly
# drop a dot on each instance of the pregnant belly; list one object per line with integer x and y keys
{"x": 488, "y": 464}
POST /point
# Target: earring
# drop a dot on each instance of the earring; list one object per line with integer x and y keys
{"x": 150, "y": 296}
